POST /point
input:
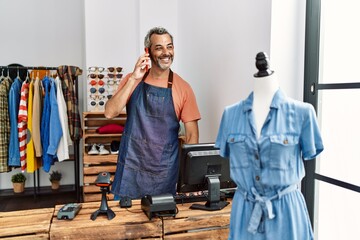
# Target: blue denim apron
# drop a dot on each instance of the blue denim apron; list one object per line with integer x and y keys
{"x": 148, "y": 153}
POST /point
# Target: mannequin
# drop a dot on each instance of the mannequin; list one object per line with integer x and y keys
{"x": 269, "y": 168}
{"x": 265, "y": 86}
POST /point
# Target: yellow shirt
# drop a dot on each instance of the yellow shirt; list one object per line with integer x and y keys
{"x": 32, "y": 162}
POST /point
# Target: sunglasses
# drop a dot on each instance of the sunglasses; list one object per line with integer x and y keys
{"x": 93, "y": 75}
{"x": 111, "y": 75}
{"x": 94, "y": 103}
{"x": 96, "y": 69}
{"x": 93, "y": 90}
{"x": 112, "y": 82}
{"x": 94, "y": 82}
{"x": 97, "y": 97}
{"x": 112, "y": 69}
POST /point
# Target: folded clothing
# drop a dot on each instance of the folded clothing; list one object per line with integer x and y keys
{"x": 110, "y": 128}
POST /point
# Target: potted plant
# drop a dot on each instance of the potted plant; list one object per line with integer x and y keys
{"x": 55, "y": 177}
{"x": 18, "y": 181}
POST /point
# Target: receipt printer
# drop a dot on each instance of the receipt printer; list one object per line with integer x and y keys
{"x": 159, "y": 205}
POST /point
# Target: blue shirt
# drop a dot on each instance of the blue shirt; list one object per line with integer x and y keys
{"x": 267, "y": 171}
{"x": 47, "y": 159}
{"x": 14, "y": 101}
{"x": 55, "y": 130}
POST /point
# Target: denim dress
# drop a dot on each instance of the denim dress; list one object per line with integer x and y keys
{"x": 148, "y": 153}
{"x": 268, "y": 170}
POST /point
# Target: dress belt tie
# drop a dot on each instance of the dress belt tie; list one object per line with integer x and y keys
{"x": 263, "y": 203}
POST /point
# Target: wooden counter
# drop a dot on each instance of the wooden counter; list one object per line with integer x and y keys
{"x": 26, "y": 224}
{"x": 132, "y": 223}
{"x": 197, "y": 224}
{"x": 129, "y": 223}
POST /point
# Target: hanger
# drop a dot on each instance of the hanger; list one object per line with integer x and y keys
{"x": 27, "y": 79}
{"x": 2, "y": 75}
{"x": 18, "y": 74}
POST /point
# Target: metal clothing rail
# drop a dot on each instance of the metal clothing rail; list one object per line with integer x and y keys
{"x": 76, "y": 142}
{"x": 28, "y": 68}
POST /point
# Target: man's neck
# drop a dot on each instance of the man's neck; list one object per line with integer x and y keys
{"x": 158, "y": 73}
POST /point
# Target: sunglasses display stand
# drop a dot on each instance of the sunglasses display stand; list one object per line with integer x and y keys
{"x": 101, "y": 84}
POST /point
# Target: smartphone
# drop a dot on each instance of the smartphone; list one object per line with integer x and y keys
{"x": 147, "y": 66}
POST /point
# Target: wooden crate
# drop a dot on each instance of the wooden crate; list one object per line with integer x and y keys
{"x": 198, "y": 224}
{"x": 133, "y": 223}
{"x": 129, "y": 223}
{"x": 94, "y": 164}
{"x": 26, "y": 224}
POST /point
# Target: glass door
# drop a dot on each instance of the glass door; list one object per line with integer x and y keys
{"x": 332, "y": 85}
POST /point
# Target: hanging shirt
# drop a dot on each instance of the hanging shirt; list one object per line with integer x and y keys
{"x": 267, "y": 203}
{"x": 36, "y": 116}
{"x": 33, "y": 163}
{"x": 55, "y": 130}
{"x": 65, "y": 141}
{"x": 47, "y": 160}
{"x": 68, "y": 74}
{"x": 14, "y": 100}
{"x": 5, "y": 124}
{"x": 22, "y": 123}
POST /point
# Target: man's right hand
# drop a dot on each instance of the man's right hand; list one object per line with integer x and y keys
{"x": 140, "y": 66}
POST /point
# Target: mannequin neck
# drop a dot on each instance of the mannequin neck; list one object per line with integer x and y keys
{"x": 266, "y": 86}
{"x": 264, "y": 90}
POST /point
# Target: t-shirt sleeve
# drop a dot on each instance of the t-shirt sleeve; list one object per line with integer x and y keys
{"x": 221, "y": 139}
{"x": 190, "y": 111}
{"x": 185, "y": 101}
{"x": 310, "y": 137}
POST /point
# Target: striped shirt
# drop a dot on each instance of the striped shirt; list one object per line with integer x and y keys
{"x": 22, "y": 123}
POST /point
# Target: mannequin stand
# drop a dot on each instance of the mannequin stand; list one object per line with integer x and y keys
{"x": 104, "y": 208}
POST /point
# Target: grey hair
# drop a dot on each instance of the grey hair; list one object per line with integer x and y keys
{"x": 155, "y": 30}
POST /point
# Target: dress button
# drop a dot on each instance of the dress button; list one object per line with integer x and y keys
{"x": 257, "y": 178}
{"x": 286, "y": 141}
{"x": 257, "y": 156}
{"x": 232, "y": 140}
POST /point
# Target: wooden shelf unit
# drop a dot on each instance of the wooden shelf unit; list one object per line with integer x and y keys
{"x": 94, "y": 164}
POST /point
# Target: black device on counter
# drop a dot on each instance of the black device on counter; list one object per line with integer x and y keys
{"x": 125, "y": 202}
{"x": 203, "y": 169}
{"x": 159, "y": 205}
{"x": 103, "y": 181}
{"x": 69, "y": 211}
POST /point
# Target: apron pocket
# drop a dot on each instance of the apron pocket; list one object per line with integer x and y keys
{"x": 148, "y": 157}
{"x": 155, "y": 104}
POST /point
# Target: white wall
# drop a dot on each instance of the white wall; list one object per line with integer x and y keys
{"x": 218, "y": 42}
{"x": 288, "y": 45}
{"x": 215, "y": 42}
{"x": 42, "y": 33}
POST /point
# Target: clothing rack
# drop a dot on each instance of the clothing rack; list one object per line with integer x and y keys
{"x": 76, "y": 142}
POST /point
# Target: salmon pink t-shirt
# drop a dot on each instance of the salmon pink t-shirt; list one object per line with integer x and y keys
{"x": 183, "y": 96}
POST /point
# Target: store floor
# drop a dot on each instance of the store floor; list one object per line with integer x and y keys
{"x": 24, "y": 202}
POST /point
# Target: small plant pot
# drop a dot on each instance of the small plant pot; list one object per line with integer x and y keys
{"x": 55, "y": 185}
{"x": 18, "y": 187}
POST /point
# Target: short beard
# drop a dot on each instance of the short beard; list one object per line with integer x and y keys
{"x": 157, "y": 62}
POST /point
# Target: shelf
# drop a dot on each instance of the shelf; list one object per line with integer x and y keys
{"x": 97, "y": 135}
{"x": 46, "y": 190}
{"x": 95, "y": 164}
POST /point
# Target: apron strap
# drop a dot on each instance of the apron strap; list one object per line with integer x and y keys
{"x": 170, "y": 78}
